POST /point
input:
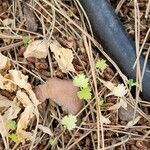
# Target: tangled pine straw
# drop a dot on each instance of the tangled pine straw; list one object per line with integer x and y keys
{"x": 63, "y": 21}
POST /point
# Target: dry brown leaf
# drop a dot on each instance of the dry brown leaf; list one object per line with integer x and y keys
{"x": 11, "y": 113}
{"x": 23, "y": 98}
{"x": 63, "y": 56}
{"x": 26, "y": 116}
{"x": 23, "y": 122}
{"x": 119, "y": 90}
{"x": 45, "y": 129}
{"x": 105, "y": 120}
{"x": 5, "y": 102}
{"x": 37, "y": 49}
{"x": 8, "y": 21}
{"x": 22, "y": 81}
{"x": 29, "y": 101}
{"x": 133, "y": 122}
{"x": 3, "y": 130}
{"x": 29, "y": 18}
{"x": 19, "y": 79}
{"x": 5, "y": 64}
{"x": 122, "y": 103}
{"x": 65, "y": 95}
{"x": 7, "y": 84}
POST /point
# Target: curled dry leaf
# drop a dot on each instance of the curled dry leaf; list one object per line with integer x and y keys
{"x": 11, "y": 113}
{"x": 119, "y": 90}
{"x": 5, "y": 64}
{"x": 63, "y": 56}
{"x": 26, "y": 116}
{"x": 7, "y": 84}
{"x": 45, "y": 129}
{"x": 38, "y": 49}
{"x": 8, "y": 21}
{"x": 62, "y": 92}
{"x": 21, "y": 81}
{"x": 5, "y": 102}
{"x": 29, "y": 101}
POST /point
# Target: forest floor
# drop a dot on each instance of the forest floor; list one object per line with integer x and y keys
{"x": 110, "y": 118}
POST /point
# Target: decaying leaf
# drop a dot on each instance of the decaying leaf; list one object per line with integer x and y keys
{"x": 133, "y": 122}
{"x": 23, "y": 122}
{"x": 62, "y": 92}
{"x": 119, "y": 90}
{"x": 38, "y": 49}
{"x": 23, "y": 98}
{"x": 26, "y": 116}
{"x": 21, "y": 80}
{"x": 45, "y": 129}
{"x": 105, "y": 120}
{"x": 11, "y": 113}
{"x": 122, "y": 103}
{"x": 12, "y": 81}
{"x": 63, "y": 56}
{"x": 5, "y": 64}
{"x": 7, "y": 84}
{"x": 29, "y": 101}
{"x": 8, "y": 21}
{"x": 126, "y": 114}
{"x": 5, "y": 102}
{"x": 29, "y": 16}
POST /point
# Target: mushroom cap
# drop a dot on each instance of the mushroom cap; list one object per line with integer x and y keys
{"x": 62, "y": 92}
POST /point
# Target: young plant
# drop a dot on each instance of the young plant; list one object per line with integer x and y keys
{"x": 101, "y": 101}
{"x": 85, "y": 90}
{"x": 85, "y": 93}
{"x": 81, "y": 81}
{"x": 26, "y": 40}
{"x": 132, "y": 83}
{"x": 12, "y": 125}
{"x": 101, "y": 64}
{"x": 53, "y": 142}
{"x": 13, "y": 137}
{"x": 69, "y": 122}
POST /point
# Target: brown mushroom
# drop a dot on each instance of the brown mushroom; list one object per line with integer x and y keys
{"x": 62, "y": 92}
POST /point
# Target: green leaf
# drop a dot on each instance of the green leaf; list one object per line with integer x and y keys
{"x": 52, "y": 142}
{"x": 101, "y": 64}
{"x": 69, "y": 122}
{"x": 12, "y": 125}
{"x": 85, "y": 93}
{"x": 26, "y": 40}
{"x": 132, "y": 83}
{"x": 14, "y": 138}
{"x": 81, "y": 81}
{"x": 101, "y": 101}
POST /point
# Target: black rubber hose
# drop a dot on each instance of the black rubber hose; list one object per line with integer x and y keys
{"x": 113, "y": 37}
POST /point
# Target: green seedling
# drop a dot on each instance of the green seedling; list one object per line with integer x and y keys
{"x": 101, "y": 64}
{"x": 26, "y": 40}
{"x": 132, "y": 83}
{"x": 13, "y": 137}
{"x": 83, "y": 83}
{"x": 69, "y": 122}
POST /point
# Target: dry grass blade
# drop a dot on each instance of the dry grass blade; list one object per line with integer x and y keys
{"x": 147, "y": 10}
